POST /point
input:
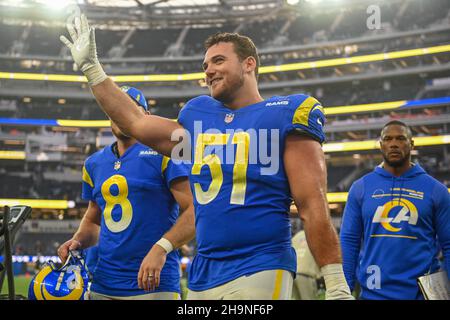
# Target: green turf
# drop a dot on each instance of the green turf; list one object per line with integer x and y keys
{"x": 21, "y": 284}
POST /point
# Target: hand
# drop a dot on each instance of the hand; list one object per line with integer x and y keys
{"x": 63, "y": 250}
{"x": 83, "y": 48}
{"x": 151, "y": 266}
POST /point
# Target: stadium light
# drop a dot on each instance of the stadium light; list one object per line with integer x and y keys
{"x": 56, "y": 4}
{"x": 14, "y": 2}
{"x": 292, "y": 2}
{"x": 313, "y": 1}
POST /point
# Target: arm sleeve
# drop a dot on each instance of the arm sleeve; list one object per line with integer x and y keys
{"x": 87, "y": 186}
{"x": 305, "y": 116}
{"x": 351, "y": 232}
{"x": 442, "y": 222}
{"x": 172, "y": 171}
{"x": 184, "y": 114}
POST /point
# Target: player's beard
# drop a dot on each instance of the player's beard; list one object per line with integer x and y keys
{"x": 397, "y": 163}
{"x": 228, "y": 92}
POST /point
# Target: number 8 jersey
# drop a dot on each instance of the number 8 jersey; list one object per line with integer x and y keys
{"x": 241, "y": 192}
{"x": 133, "y": 192}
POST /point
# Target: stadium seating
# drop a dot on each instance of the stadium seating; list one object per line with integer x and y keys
{"x": 175, "y": 46}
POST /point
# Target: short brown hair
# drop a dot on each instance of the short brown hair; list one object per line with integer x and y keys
{"x": 243, "y": 46}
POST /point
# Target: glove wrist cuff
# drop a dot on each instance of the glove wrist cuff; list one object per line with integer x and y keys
{"x": 95, "y": 74}
{"x": 333, "y": 275}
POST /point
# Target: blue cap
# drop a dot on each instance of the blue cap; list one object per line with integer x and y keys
{"x": 136, "y": 95}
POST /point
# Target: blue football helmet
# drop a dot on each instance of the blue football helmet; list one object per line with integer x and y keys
{"x": 70, "y": 282}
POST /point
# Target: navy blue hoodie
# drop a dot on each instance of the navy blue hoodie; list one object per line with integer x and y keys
{"x": 391, "y": 232}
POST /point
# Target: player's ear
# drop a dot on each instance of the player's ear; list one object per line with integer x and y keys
{"x": 250, "y": 64}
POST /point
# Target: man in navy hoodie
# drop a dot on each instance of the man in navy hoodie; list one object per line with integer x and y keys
{"x": 394, "y": 221}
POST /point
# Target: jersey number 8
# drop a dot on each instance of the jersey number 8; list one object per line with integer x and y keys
{"x": 121, "y": 200}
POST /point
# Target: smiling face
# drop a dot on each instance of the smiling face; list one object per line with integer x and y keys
{"x": 224, "y": 72}
{"x": 396, "y": 145}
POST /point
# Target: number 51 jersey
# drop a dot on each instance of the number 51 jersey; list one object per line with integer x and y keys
{"x": 133, "y": 192}
{"x": 241, "y": 192}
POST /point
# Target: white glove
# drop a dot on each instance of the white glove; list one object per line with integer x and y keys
{"x": 335, "y": 283}
{"x": 83, "y": 48}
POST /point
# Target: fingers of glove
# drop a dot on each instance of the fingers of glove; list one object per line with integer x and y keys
{"x": 66, "y": 42}
{"x": 77, "y": 23}
{"x": 84, "y": 24}
{"x": 70, "y": 28}
{"x": 92, "y": 39}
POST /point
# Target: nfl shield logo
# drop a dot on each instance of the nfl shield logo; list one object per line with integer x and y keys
{"x": 229, "y": 117}
{"x": 117, "y": 165}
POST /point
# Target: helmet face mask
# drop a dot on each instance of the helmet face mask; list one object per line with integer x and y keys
{"x": 69, "y": 282}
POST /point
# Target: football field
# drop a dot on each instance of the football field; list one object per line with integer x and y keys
{"x": 21, "y": 284}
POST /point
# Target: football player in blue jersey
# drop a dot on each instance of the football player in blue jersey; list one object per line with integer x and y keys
{"x": 251, "y": 157}
{"x": 394, "y": 219}
{"x": 135, "y": 197}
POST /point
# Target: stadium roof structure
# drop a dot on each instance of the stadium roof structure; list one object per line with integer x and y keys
{"x": 144, "y": 13}
{"x": 155, "y": 3}
{"x": 116, "y": 14}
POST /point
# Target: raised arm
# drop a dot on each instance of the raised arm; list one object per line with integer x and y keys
{"x": 305, "y": 167}
{"x": 151, "y": 130}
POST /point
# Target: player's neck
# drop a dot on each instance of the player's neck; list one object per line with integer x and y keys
{"x": 124, "y": 144}
{"x": 244, "y": 100}
{"x": 397, "y": 171}
{"x": 244, "y": 97}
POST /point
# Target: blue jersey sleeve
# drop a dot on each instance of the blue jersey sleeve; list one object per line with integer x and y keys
{"x": 184, "y": 117}
{"x": 352, "y": 232}
{"x": 305, "y": 115}
{"x": 87, "y": 183}
{"x": 172, "y": 171}
{"x": 442, "y": 221}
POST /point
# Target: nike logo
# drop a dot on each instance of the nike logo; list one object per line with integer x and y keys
{"x": 319, "y": 122}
